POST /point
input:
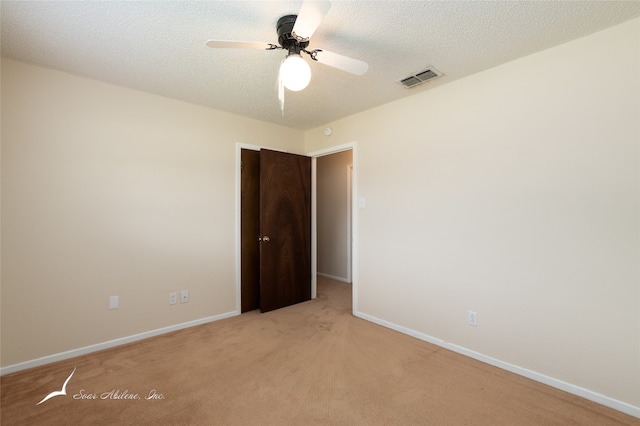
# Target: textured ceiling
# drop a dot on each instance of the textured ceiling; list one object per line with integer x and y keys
{"x": 159, "y": 46}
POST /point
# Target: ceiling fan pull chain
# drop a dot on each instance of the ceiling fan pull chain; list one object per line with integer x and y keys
{"x": 280, "y": 86}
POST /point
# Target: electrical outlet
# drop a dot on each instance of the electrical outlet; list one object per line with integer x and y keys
{"x": 472, "y": 317}
{"x": 184, "y": 296}
{"x": 173, "y": 298}
{"x": 113, "y": 302}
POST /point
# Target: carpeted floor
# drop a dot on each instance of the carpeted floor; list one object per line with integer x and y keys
{"x": 309, "y": 364}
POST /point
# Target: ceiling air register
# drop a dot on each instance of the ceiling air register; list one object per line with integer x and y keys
{"x": 419, "y": 78}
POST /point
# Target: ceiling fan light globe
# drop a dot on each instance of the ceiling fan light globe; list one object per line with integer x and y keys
{"x": 295, "y": 73}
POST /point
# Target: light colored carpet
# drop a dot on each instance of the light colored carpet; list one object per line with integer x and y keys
{"x": 309, "y": 364}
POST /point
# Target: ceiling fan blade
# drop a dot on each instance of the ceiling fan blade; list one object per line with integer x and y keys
{"x": 240, "y": 44}
{"x": 354, "y": 66}
{"x": 310, "y": 15}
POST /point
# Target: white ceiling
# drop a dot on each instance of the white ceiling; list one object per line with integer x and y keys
{"x": 159, "y": 46}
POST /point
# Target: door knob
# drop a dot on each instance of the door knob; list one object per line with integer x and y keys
{"x": 265, "y": 238}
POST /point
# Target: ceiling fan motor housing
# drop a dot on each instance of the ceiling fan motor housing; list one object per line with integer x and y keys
{"x": 286, "y": 39}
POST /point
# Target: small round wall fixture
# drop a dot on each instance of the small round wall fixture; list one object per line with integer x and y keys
{"x": 328, "y": 131}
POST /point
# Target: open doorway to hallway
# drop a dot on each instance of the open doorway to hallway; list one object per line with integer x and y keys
{"x": 333, "y": 198}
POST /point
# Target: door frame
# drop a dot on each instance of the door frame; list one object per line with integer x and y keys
{"x": 352, "y": 225}
{"x": 352, "y": 146}
{"x": 349, "y": 215}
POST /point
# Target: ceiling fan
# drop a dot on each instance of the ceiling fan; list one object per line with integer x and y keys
{"x": 294, "y": 32}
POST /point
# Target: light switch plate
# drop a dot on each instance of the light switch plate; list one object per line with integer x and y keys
{"x": 113, "y": 302}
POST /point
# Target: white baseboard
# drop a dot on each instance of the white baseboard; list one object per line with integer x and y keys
{"x": 109, "y": 344}
{"x": 538, "y": 377}
{"x": 332, "y": 277}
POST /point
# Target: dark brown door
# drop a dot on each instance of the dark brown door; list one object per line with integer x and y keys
{"x": 250, "y": 229}
{"x": 285, "y": 229}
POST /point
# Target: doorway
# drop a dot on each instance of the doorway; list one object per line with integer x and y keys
{"x": 333, "y": 195}
{"x": 352, "y": 223}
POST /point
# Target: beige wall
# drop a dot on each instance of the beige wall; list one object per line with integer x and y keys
{"x": 108, "y": 191}
{"x": 333, "y": 197}
{"x": 513, "y": 193}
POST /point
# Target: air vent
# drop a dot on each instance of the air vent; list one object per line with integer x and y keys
{"x": 419, "y": 78}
